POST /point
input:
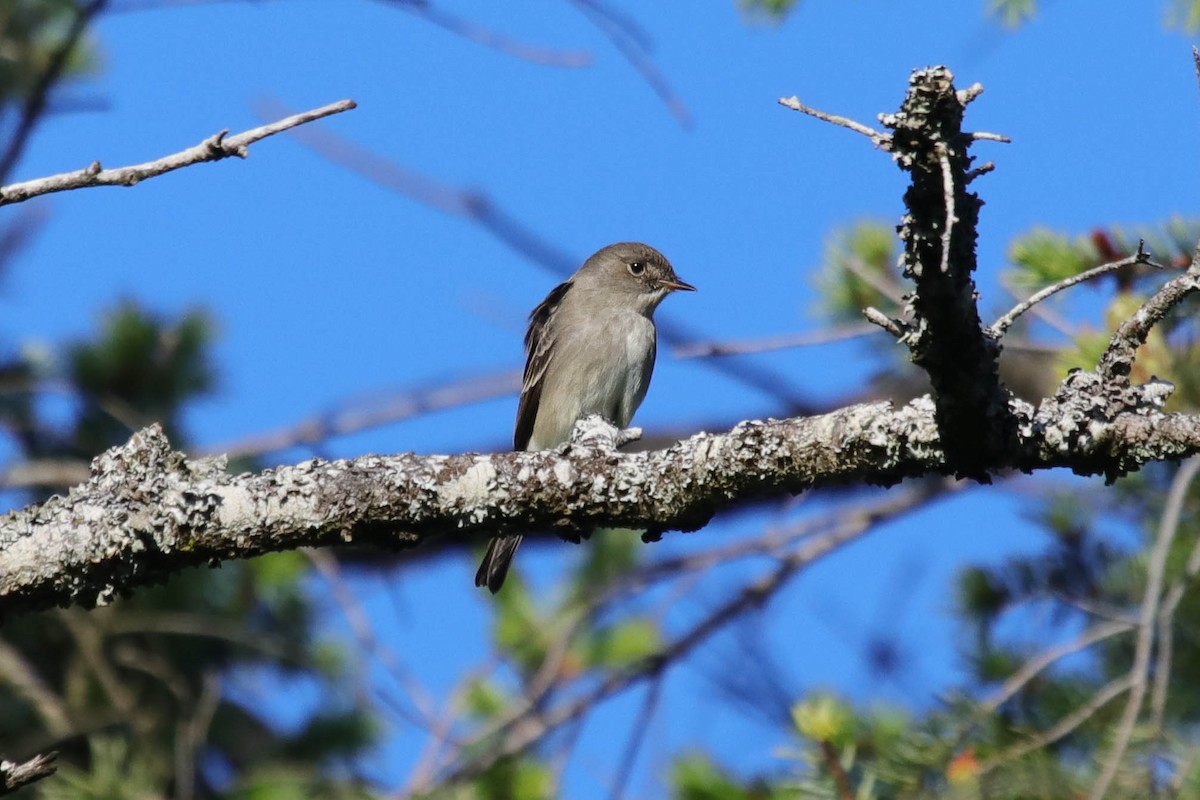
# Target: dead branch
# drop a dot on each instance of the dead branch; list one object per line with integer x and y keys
{"x": 214, "y": 148}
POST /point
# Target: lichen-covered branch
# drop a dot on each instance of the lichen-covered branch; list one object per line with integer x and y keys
{"x": 945, "y": 334}
{"x": 941, "y": 328}
{"x": 148, "y": 511}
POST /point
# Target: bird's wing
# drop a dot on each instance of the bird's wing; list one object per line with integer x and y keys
{"x": 539, "y": 340}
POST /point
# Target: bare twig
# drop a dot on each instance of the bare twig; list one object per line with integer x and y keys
{"x": 738, "y": 347}
{"x": 20, "y": 231}
{"x": 426, "y": 10}
{"x": 1139, "y": 672}
{"x": 519, "y": 733}
{"x": 89, "y": 641}
{"x": 193, "y": 731}
{"x": 1196, "y": 61}
{"x": 214, "y": 148}
{"x": 1162, "y": 669}
{"x": 884, "y": 283}
{"x": 1041, "y": 311}
{"x": 829, "y": 756}
{"x": 39, "y": 94}
{"x": 25, "y": 681}
{"x": 967, "y": 96}
{"x": 169, "y": 623}
{"x": 422, "y": 775}
{"x": 1064, "y": 727}
{"x": 44, "y": 472}
{"x": 360, "y": 625}
{"x": 1097, "y": 608}
{"x": 774, "y": 543}
{"x": 632, "y": 46}
{"x": 881, "y": 140}
{"x": 990, "y": 137}
{"x": 637, "y": 735}
{"x": 877, "y": 317}
{"x": 405, "y": 405}
{"x": 1117, "y": 361}
{"x": 1034, "y": 666}
{"x": 481, "y": 34}
{"x": 943, "y": 157}
{"x": 14, "y": 775}
{"x": 982, "y": 169}
{"x": 1140, "y": 257}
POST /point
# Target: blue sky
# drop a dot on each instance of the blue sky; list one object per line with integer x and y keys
{"x": 328, "y": 288}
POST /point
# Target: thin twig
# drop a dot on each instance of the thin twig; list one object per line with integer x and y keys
{"x": 1183, "y": 770}
{"x": 422, "y": 775}
{"x": 1034, "y": 666}
{"x": 879, "y": 282}
{"x": 982, "y": 169}
{"x": 523, "y": 731}
{"x": 877, "y": 317}
{"x": 841, "y": 780}
{"x": 205, "y": 626}
{"x": 1162, "y": 671}
{"x": 44, "y": 472}
{"x": 1097, "y": 608}
{"x": 214, "y": 148}
{"x": 967, "y": 96}
{"x": 1042, "y": 311}
{"x": 773, "y": 543}
{"x": 39, "y": 93}
{"x": 1196, "y": 62}
{"x": 26, "y": 682}
{"x": 404, "y": 405}
{"x": 990, "y": 137}
{"x": 633, "y": 47}
{"x": 1002, "y": 324}
{"x": 1119, "y": 357}
{"x": 194, "y": 732}
{"x": 1064, "y": 726}
{"x": 948, "y": 195}
{"x": 637, "y": 735}
{"x": 1139, "y": 672}
{"x": 737, "y": 347}
{"x": 360, "y": 625}
{"x": 881, "y": 140}
{"x": 459, "y": 26}
{"x": 14, "y": 775}
{"x": 481, "y": 34}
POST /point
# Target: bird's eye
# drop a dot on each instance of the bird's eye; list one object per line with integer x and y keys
{"x": 637, "y": 267}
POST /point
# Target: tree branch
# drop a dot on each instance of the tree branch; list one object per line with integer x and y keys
{"x": 148, "y": 511}
{"x": 942, "y": 329}
{"x": 214, "y": 148}
{"x": 1139, "y": 672}
{"x": 39, "y": 94}
{"x": 13, "y": 776}
{"x": 1000, "y": 326}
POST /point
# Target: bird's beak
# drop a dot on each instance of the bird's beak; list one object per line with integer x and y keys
{"x": 677, "y": 285}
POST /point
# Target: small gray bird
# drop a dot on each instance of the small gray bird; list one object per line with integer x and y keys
{"x": 589, "y": 350}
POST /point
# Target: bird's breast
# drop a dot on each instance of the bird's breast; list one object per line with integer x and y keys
{"x": 600, "y": 367}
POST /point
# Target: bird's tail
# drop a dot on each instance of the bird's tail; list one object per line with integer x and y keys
{"x": 496, "y": 561}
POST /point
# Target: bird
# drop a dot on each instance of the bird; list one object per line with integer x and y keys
{"x": 589, "y": 349}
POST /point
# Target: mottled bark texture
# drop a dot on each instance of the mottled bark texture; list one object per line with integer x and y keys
{"x": 945, "y": 335}
{"x": 148, "y": 511}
